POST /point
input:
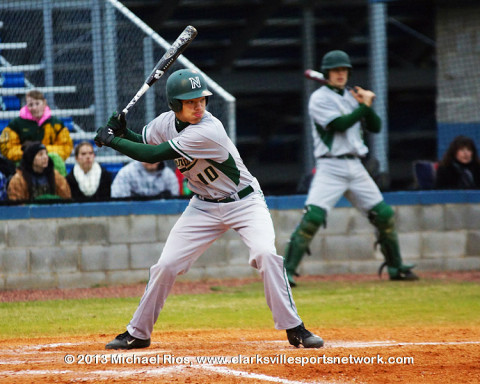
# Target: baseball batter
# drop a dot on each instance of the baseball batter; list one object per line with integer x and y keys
{"x": 338, "y": 118}
{"x": 226, "y": 196}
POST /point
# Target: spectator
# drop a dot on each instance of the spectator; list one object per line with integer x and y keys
{"x": 182, "y": 184}
{"x": 138, "y": 179}
{"x": 35, "y": 123}
{"x": 3, "y": 187}
{"x": 460, "y": 166}
{"x": 36, "y": 178}
{"x": 88, "y": 180}
{"x": 7, "y": 170}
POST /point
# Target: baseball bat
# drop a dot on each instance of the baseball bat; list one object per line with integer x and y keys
{"x": 169, "y": 57}
{"x": 318, "y": 77}
{"x": 315, "y": 75}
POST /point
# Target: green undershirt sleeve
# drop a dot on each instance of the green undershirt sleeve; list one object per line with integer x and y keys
{"x": 373, "y": 123}
{"x": 132, "y": 136}
{"x": 342, "y": 123}
{"x": 144, "y": 152}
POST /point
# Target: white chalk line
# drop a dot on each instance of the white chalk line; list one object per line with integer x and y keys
{"x": 367, "y": 344}
{"x": 258, "y": 376}
{"x": 370, "y": 344}
{"x": 106, "y": 374}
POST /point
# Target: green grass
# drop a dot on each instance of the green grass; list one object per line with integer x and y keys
{"x": 324, "y": 304}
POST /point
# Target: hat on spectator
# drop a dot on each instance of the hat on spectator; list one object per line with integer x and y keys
{"x": 30, "y": 151}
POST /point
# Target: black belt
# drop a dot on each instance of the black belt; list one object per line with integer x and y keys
{"x": 241, "y": 194}
{"x": 351, "y": 157}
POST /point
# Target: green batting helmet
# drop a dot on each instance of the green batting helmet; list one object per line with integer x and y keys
{"x": 335, "y": 59}
{"x": 185, "y": 84}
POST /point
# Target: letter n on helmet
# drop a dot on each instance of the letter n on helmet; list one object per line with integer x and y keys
{"x": 185, "y": 84}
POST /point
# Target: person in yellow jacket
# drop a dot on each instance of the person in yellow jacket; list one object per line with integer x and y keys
{"x": 35, "y": 123}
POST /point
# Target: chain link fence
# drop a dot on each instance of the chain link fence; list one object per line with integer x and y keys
{"x": 89, "y": 58}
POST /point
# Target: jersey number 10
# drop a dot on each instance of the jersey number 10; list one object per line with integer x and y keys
{"x": 210, "y": 173}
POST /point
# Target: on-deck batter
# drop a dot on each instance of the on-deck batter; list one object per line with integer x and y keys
{"x": 226, "y": 196}
{"x": 338, "y": 119}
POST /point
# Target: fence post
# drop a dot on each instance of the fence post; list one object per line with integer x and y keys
{"x": 148, "y": 63}
{"x": 110, "y": 68}
{"x": 97, "y": 57}
{"x": 48, "y": 49}
{"x": 379, "y": 82}
{"x": 308, "y": 45}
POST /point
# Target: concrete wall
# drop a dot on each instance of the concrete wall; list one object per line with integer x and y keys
{"x": 68, "y": 252}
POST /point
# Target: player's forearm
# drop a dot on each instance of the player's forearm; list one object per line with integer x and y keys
{"x": 342, "y": 123}
{"x": 373, "y": 123}
{"x": 144, "y": 152}
{"x": 133, "y": 136}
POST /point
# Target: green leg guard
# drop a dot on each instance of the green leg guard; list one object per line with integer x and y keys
{"x": 300, "y": 240}
{"x": 382, "y": 217}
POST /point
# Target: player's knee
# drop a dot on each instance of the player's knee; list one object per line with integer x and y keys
{"x": 382, "y": 216}
{"x": 166, "y": 268}
{"x": 313, "y": 218}
{"x": 263, "y": 258}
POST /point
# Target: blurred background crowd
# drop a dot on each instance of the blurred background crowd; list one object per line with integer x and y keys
{"x": 66, "y": 65}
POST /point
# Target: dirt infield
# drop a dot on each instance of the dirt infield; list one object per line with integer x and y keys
{"x": 350, "y": 355}
{"x": 389, "y": 356}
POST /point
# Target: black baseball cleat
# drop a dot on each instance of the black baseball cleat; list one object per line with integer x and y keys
{"x": 291, "y": 281}
{"x": 405, "y": 276}
{"x": 126, "y": 341}
{"x": 300, "y": 335}
{"x": 403, "y": 273}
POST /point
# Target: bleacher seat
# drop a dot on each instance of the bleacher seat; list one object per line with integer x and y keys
{"x": 9, "y": 103}
{"x": 68, "y": 122}
{"x": 3, "y": 124}
{"x": 12, "y": 80}
{"x": 424, "y": 172}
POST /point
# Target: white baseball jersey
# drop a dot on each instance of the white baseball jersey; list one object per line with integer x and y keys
{"x": 335, "y": 176}
{"x": 207, "y": 156}
{"x": 325, "y": 105}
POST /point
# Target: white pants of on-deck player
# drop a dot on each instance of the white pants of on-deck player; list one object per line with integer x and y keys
{"x": 336, "y": 177}
{"x": 198, "y": 227}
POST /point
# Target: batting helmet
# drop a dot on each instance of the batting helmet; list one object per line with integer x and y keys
{"x": 185, "y": 84}
{"x": 335, "y": 59}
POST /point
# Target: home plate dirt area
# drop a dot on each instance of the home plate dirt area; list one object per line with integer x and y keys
{"x": 350, "y": 355}
{"x": 396, "y": 355}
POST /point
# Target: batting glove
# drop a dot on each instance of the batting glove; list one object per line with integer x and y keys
{"x": 104, "y": 136}
{"x": 118, "y": 124}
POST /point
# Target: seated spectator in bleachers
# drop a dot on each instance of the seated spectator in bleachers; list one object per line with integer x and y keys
{"x": 36, "y": 123}
{"x": 460, "y": 166}
{"x": 137, "y": 179}
{"x": 3, "y": 187}
{"x": 7, "y": 170}
{"x": 88, "y": 180}
{"x": 36, "y": 178}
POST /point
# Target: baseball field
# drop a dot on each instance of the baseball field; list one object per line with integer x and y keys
{"x": 216, "y": 331}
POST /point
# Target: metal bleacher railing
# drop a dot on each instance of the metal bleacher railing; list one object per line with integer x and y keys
{"x": 89, "y": 58}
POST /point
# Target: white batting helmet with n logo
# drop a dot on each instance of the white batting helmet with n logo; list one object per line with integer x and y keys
{"x": 185, "y": 84}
